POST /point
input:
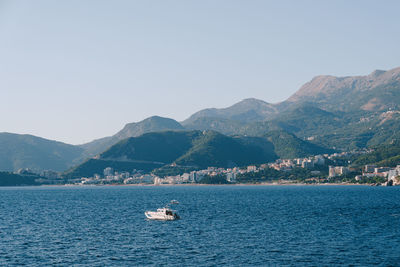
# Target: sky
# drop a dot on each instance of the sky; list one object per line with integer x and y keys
{"x": 74, "y": 71}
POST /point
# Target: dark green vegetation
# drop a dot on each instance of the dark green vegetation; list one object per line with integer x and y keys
{"x": 218, "y": 179}
{"x": 152, "y": 124}
{"x": 269, "y": 175}
{"x": 192, "y": 150}
{"x": 27, "y": 151}
{"x": 11, "y": 179}
{"x": 287, "y": 145}
{"x": 384, "y": 155}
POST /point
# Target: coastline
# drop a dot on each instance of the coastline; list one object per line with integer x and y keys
{"x": 185, "y": 185}
{"x": 191, "y": 185}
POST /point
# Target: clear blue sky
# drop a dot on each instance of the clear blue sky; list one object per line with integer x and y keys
{"x": 78, "y": 70}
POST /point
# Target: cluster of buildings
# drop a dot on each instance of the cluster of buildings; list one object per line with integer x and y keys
{"x": 197, "y": 176}
{"x": 391, "y": 174}
{"x": 337, "y": 171}
{"x": 288, "y": 164}
{"x": 114, "y": 177}
{"x": 138, "y": 177}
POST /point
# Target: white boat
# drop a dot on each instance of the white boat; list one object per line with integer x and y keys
{"x": 164, "y": 214}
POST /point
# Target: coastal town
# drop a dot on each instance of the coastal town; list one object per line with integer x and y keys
{"x": 316, "y": 166}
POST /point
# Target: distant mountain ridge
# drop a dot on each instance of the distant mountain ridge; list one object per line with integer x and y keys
{"x": 247, "y": 110}
{"x": 341, "y": 112}
{"x": 333, "y": 112}
{"x": 28, "y": 151}
{"x": 151, "y": 124}
{"x": 374, "y": 92}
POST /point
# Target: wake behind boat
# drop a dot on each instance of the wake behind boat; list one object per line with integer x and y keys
{"x": 163, "y": 214}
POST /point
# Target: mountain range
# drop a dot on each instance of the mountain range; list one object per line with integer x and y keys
{"x": 195, "y": 150}
{"x": 340, "y": 113}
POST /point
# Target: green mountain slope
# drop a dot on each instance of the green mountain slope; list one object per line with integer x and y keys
{"x": 222, "y": 125}
{"x": 215, "y": 149}
{"x": 338, "y": 112}
{"x": 193, "y": 150}
{"x": 162, "y": 147}
{"x": 383, "y": 155}
{"x": 287, "y": 145}
{"x": 11, "y": 179}
{"x": 245, "y": 111}
{"x": 27, "y": 151}
{"x": 151, "y": 124}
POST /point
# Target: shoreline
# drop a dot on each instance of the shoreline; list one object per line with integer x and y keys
{"x": 184, "y": 185}
{"x": 191, "y": 185}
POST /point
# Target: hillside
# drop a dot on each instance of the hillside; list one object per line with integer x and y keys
{"x": 28, "y": 151}
{"x": 377, "y": 91}
{"x": 342, "y": 113}
{"x": 192, "y": 149}
{"x": 215, "y": 149}
{"x": 12, "y": 179}
{"x": 247, "y": 110}
{"x": 224, "y": 126}
{"x": 337, "y": 112}
{"x": 287, "y": 145}
{"x": 383, "y": 155}
{"x": 151, "y": 124}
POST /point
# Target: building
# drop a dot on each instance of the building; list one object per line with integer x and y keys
{"x": 251, "y": 168}
{"x": 307, "y": 164}
{"x": 50, "y": 174}
{"x": 108, "y": 171}
{"x": 381, "y": 170}
{"x": 369, "y": 168}
{"x": 319, "y": 160}
{"x": 231, "y": 177}
{"x": 337, "y": 170}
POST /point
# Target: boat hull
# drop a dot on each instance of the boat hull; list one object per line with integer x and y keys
{"x": 152, "y": 215}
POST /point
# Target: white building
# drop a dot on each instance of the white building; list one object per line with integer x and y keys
{"x": 251, "y": 168}
{"x": 231, "y": 177}
{"x": 337, "y": 170}
{"x": 108, "y": 171}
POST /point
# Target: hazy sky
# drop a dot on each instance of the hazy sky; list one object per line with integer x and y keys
{"x": 78, "y": 70}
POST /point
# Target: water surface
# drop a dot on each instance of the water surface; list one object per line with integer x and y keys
{"x": 220, "y": 225}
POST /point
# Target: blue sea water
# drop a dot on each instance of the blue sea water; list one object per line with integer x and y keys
{"x": 220, "y": 225}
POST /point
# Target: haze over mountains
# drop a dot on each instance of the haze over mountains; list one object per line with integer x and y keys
{"x": 328, "y": 113}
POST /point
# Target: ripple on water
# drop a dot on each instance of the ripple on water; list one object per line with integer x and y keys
{"x": 223, "y": 225}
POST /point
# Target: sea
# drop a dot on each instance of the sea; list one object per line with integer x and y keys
{"x": 219, "y": 226}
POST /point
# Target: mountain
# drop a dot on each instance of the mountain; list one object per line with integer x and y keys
{"x": 383, "y": 155}
{"x": 28, "y": 151}
{"x": 287, "y": 145}
{"x": 247, "y": 110}
{"x": 151, "y": 124}
{"x": 12, "y": 179}
{"x": 224, "y": 126}
{"x": 341, "y": 113}
{"x": 336, "y": 112}
{"x": 215, "y": 149}
{"x": 377, "y": 91}
{"x": 192, "y": 149}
